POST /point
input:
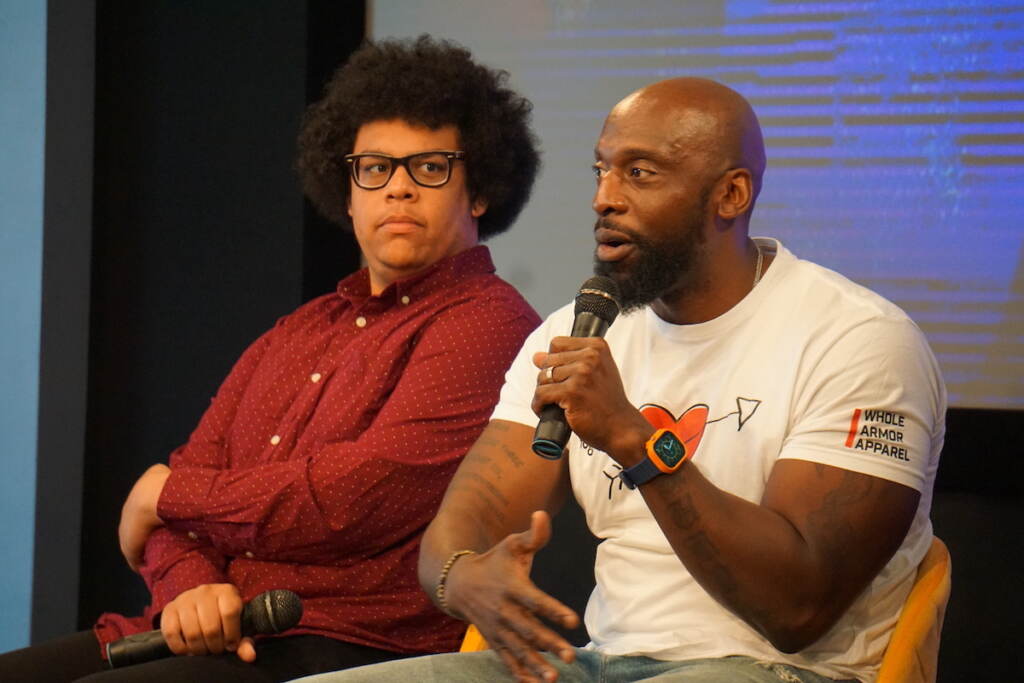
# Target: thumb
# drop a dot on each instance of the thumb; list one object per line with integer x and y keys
{"x": 538, "y": 535}
{"x": 246, "y": 650}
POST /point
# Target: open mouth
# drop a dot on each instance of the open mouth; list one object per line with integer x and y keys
{"x": 612, "y": 245}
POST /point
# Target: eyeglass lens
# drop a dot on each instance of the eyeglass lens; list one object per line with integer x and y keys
{"x": 428, "y": 168}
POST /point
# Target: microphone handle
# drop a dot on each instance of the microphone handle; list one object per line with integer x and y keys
{"x": 552, "y": 430}
{"x": 137, "y": 649}
{"x": 146, "y": 647}
{"x": 588, "y": 325}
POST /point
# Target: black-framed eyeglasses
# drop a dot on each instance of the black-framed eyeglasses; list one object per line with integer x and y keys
{"x": 429, "y": 169}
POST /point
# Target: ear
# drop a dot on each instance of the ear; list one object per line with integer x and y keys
{"x": 348, "y": 204}
{"x": 478, "y": 208}
{"x": 737, "y": 193}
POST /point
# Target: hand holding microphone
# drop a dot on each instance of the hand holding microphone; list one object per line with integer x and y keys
{"x": 268, "y": 613}
{"x": 597, "y": 306}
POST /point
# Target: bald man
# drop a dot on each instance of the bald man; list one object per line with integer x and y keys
{"x": 756, "y": 441}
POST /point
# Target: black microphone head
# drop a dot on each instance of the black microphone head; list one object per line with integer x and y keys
{"x": 599, "y": 295}
{"x": 271, "y": 612}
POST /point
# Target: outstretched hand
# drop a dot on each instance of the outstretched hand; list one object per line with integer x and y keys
{"x": 493, "y": 590}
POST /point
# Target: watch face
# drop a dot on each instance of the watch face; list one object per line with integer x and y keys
{"x": 669, "y": 449}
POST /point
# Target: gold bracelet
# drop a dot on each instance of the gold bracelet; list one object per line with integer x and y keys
{"x": 442, "y": 580}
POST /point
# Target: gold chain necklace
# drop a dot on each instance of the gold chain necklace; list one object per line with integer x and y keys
{"x": 760, "y": 264}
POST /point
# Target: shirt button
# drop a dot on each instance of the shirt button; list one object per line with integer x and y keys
{"x": 360, "y": 321}
{"x": 274, "y": 440}
{"x": 248, "y": 553}
{"x": 315, "y": 377}
{"x": 405, "y": 299}
{"x": 193, "y": 535}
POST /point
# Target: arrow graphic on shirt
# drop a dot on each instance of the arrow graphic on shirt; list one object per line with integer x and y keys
{"x": 745, "y": 409}
{"x": 689, "y": 427}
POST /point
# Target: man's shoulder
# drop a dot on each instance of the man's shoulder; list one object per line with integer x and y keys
{"x": 837, "y": 321}
{"x": 820, "y": 294}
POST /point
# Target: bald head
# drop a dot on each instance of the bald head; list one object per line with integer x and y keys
{"x": 697, "y": 116}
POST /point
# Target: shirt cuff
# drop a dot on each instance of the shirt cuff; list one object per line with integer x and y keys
{"x": 184, "y": 574}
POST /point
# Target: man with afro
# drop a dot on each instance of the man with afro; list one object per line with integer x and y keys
{"x": 327, "y": 449}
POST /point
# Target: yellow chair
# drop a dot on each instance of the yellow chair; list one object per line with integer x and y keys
{"x": 913, "y": 652}
{"x": 473, "y": 641}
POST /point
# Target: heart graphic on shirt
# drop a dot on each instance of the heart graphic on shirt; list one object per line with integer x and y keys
{"x": 689, "y": 427}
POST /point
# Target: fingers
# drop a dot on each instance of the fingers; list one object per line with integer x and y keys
{"x": 515, "y": 667}
{"x": 525, "y": 663}
{"x": 536, "y": 602}
{"x": 229, "y": 616}
{"x": 205, "y": 620}
{"x": 577, "y": 364}
{"x": 170, "y": 627}
{"x": 564, "y": 349}
{"x": 529, "y": 600}
{"x": 520, "y": 638}
{"x": 494, "y": 591}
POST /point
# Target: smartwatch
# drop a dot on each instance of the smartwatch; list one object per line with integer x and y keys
{"x": 666, "y": 453}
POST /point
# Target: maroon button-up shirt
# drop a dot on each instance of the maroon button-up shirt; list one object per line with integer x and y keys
{"x": 327, "y": 450}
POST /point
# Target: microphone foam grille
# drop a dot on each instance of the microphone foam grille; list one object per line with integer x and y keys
{"x": 274, "y": 611}
{"x": 599, "y": 295}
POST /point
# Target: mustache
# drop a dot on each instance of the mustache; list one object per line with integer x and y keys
{"x": 634, "y": 237}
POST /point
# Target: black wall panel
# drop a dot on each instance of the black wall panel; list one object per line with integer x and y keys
{"x": 200, "y": 229}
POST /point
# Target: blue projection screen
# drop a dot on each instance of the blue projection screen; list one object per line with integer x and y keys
{"x": 895, "y": 135}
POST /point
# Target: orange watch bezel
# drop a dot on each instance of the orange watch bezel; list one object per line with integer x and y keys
{"x": 655, "y": 458}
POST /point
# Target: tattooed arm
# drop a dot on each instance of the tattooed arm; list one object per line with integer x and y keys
{"x": 789, "y": 565}
{"x": 501, "y": 489}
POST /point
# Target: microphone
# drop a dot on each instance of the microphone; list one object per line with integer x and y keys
{"x": 271, "y": 612}
{"x": 597, "y": 306}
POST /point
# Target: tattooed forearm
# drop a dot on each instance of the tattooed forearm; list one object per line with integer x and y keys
{"x": 831, "y": 521}
{"x": 496, "y": 495}
{"x": 483, "y": 523}
{"x": 700, "y": 548}
{"x": 702, "y": 555}
{"x": 682, "y": 513}
{"x": 511, "y": 455}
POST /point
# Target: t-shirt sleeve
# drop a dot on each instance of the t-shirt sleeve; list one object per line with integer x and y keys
{"x": 521, "y": 378}
{"x": 874, "y": 403}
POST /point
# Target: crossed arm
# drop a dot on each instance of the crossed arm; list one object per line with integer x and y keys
{"x": 330, "y": 493}
{"x": 789, "y": 565}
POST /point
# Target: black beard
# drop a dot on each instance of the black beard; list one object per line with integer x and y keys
{"x": 657, "y": 268}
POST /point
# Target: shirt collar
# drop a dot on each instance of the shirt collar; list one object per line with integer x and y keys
{"x": 445, "y": 273}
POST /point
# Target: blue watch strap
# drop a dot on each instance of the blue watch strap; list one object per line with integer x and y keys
{"x": 640, "y": 473}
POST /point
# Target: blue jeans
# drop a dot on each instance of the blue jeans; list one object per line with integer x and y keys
{"x": 474, "y": 667}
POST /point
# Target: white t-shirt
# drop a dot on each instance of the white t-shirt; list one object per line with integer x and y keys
{"x": 809, "y": 366}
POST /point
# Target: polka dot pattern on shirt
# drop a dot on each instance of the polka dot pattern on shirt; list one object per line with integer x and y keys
{"x": 329, "y": 446}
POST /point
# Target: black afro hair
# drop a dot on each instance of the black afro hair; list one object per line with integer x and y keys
{"x": 432, "y": 83}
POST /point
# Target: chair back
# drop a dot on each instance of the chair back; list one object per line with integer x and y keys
{"x": 912, "y": 655}
{"x": 473, "y": 641}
